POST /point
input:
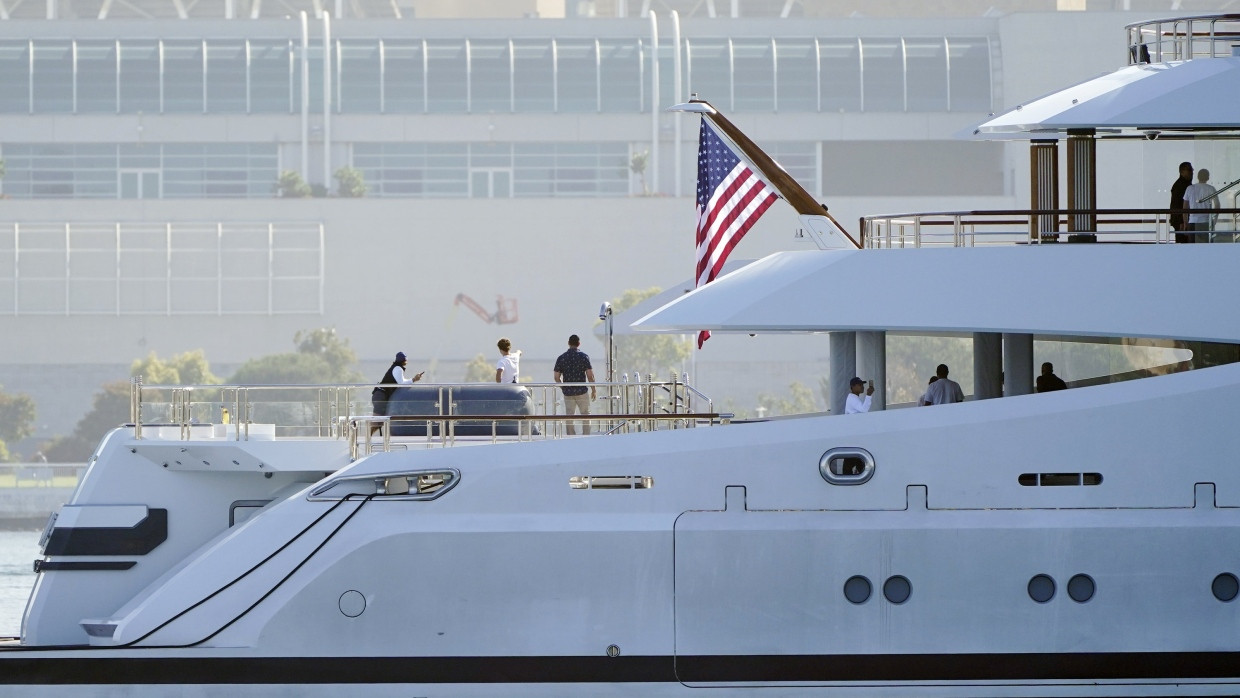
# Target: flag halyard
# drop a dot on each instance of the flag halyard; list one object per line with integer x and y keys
{"x": 730, "y": 199}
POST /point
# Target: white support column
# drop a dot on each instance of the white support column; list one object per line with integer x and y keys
{"x": 1017, "y": 363}
{"x": 305, "y": 98}
{"x": 987, "y": 365}
{"x": 327, "y": 100}
{"x": 843, "y": 367}
{"x": 872, "y": 364}
{"x": 653, "y": 167}
{"x": 677, "y": 88}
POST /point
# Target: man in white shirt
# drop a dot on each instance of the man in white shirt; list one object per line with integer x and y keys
{"x": 508, "y": 368}
{"x": 944, "y": 390}
{"x": 1193, "y": 200}
{"x": 854, "y": 403}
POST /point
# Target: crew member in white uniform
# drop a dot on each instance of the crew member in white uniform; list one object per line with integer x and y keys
{"x": 854, "y": 403}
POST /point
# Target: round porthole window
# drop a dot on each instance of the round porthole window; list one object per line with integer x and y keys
{"x": 1041, "y": 588}
{"x": 897, "y": 589}
{"x": 1225, "y": 587}
{"x": 352, "y": 603}
{"x": 1081, "y": 588}
{"x": 857, "y": 589}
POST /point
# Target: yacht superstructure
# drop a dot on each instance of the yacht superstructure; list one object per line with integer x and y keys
{"x": 1080, "y": 542}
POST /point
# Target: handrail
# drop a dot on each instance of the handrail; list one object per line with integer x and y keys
{"x": 323, "y": 410}
{"x": 1183, "y": 38}
{"x": 1031, "y": 226}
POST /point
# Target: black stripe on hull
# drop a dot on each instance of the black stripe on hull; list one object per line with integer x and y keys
{"x": 18, "y": 667}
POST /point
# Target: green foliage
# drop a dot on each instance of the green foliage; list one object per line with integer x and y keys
{"x": 111, "y": 409}
{"x": 290, "y": 185}
{"x": 350, "y": 184}
{"x": 318, "y": 191}
{"x": 17, "y": 415}
{"x": 188, "y": 368}
{"x": 479, "y": 370}
{"x": 657, "y": 354}
{"x": 321, "y": 357}
{"x": 638, "y": 165}
{"x": 800, "y": 400}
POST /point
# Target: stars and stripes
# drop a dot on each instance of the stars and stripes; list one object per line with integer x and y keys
{"x": 730, "y": 199}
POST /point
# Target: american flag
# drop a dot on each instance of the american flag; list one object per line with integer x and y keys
{"x": 730, "y": 199}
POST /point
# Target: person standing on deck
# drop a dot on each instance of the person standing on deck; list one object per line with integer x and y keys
{"x": 573, "y": 366}
{"x": 1048, "y": 381}
{"x": 944, "y": 390}
{"x": 508, "y": 368}
{"x": 1197, "y": 197}
{"x": 854, "y": 403}
{"x": 1179, "y": 221}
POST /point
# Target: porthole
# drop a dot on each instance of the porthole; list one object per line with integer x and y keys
{"x": 1041, "y": 588}
{"x": 1225, "y": 587}
{"x": 857, "y": 589}
{"x": 846, "y": 466}
{"x": 352, "y": 603}
{"x": 897, "y": 589}
{"x": 1081, "y": 588}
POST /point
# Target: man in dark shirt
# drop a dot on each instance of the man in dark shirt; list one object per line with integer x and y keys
{"x": 1179, "y": 221}
{"x": 1048, "y": 381}
{"x": 573, "y": 366}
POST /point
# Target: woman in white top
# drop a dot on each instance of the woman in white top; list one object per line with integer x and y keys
{"x": 508, "y": 368}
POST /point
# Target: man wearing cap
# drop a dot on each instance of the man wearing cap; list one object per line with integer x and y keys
{"x": 854, "y": 403}
{"x": 395, "y": 376}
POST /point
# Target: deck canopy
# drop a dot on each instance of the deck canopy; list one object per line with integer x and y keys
{"x": 1145, "y": 100}
{"x": 1064, "y": 290}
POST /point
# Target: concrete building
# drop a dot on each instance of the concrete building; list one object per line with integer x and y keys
{"x": 143, "y": 142}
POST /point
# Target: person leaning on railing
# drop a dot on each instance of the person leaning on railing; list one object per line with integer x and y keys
{"x": 395, "y": 376}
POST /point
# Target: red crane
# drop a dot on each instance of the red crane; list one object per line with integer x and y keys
{"x": 505, "y": 309}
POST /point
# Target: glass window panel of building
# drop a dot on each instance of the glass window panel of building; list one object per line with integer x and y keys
{"x": 14, "y": 77}
{"x": 840, "y": 75}
{"x": 799, "y": 159}
{"x": 226, "y": 77}
{"x": 753, "y": 65}
{"x": 446, "y": 77}
{"x": 404, "y": 77}
{"x": 183, "y": 76}
{"x": 534, "y": 76}
{"x": 139, "y": 77}
{"x": 490, "y": 76}
{"x": 710, "y": 70}
{"x": 129, "y": 170}
{"x": 314, "y": 69}
{"x": 96, "y": 77}
{"x": 577, "y": 71}
{"x": 358, "y": 79}
{"x": 969, "y": 60}
{"x": 796, "y": 75}
{"x": 53, "y": 77}
{"x": 271, "y": 72}
{"x": 620, "y": 66}
{"x": 926, "y": 74}
{"x": 882, "y": 73}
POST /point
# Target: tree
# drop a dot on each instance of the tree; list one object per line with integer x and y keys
{"x": 638, "y": 166}
{"x": 187, "y": 368}
{"x": 111, "y": 409}
{"x": 657, "y": 354}
{"x": 350, "y": 184}
{"x": 479, "y": 370}
{"x": 17, "y": 414}
{"x": 290, "y": 185}
{"x": 321, "y": 357}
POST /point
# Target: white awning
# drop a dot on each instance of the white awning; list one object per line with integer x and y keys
{"x": 1085, "y": 290}
{"x": 1185, "y": 96}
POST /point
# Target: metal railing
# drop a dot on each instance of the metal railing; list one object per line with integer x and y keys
{"x": 1035, "y": 226}
{"x": 1183, "y": 38}
{"x": 245, "y": 412}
